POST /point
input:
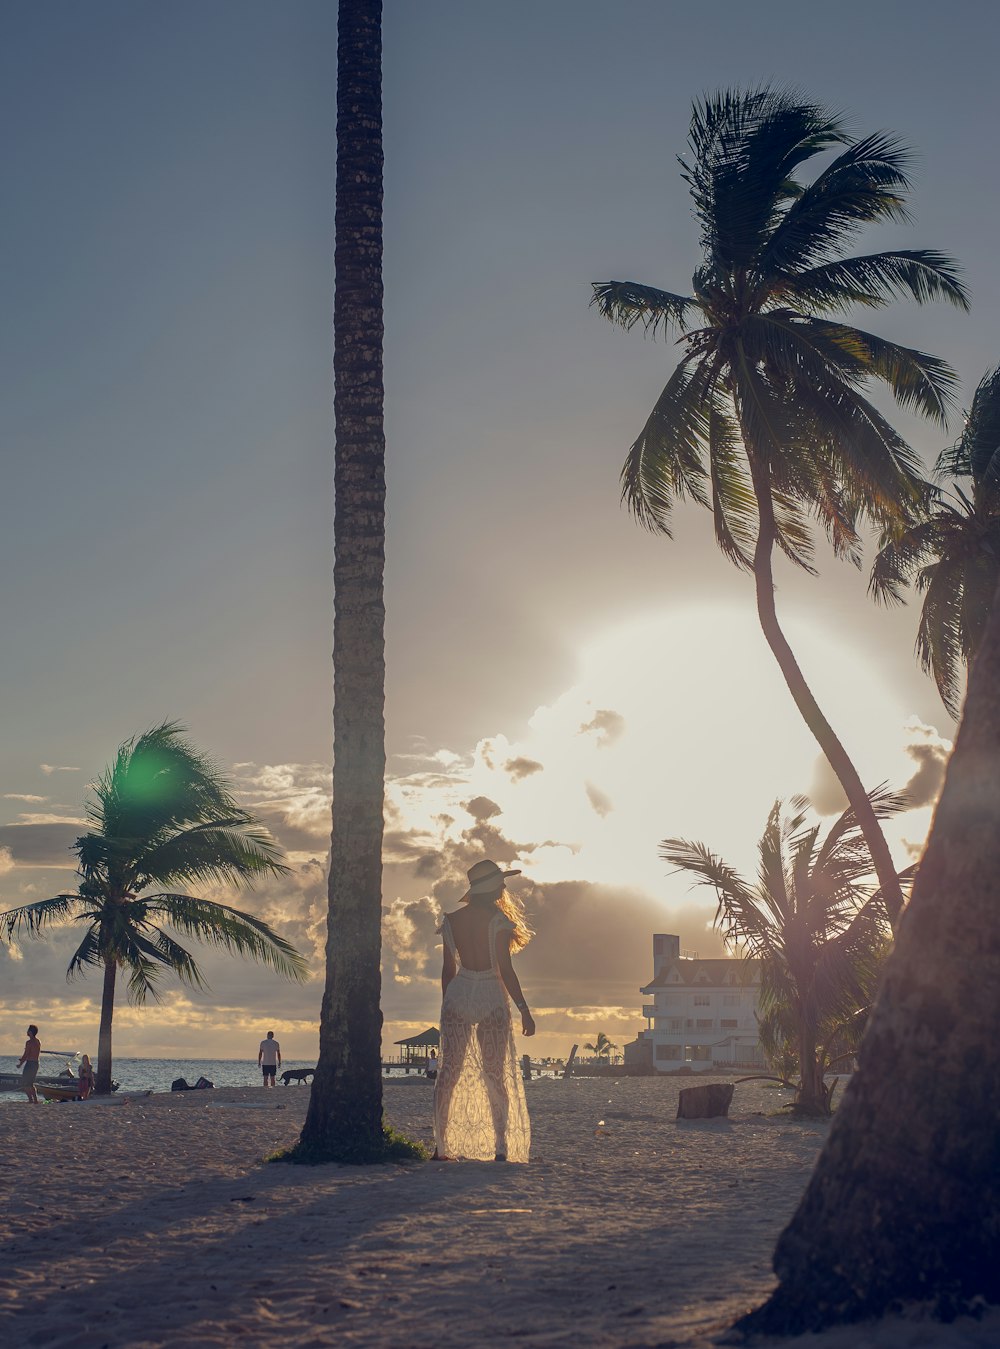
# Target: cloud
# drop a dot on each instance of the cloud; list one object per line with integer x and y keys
{"x": 522, "y": 768}
{"x": 598, "y": 799}
{"x": 26, "y": 797}
{"x": 608, "y": 725}
{"x": 824, "y": 791}
{"x": 930, "y": 752}
{"x": 48, "y": 768}
{"x": 45, "y": 844}
{"x": 482, "y": 808}
{"x": 6, "y": 861}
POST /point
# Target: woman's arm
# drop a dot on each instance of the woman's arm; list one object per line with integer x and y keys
{"x": 512, "y": 983}
{"x": 447, "y": 967}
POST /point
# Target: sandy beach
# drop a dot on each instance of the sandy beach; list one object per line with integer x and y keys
{"x": 154, "y": 1221}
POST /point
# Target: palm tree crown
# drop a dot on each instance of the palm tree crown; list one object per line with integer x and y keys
{"x": 162, "y": 817}
{"x": 953, "y": 556}
{"x": 765, "y": 419}
{"x": 812, "y": 922}
{"x": 767, "y": 399}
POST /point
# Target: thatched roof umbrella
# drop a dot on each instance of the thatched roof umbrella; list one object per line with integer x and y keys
{"x": 427, "y": 1039}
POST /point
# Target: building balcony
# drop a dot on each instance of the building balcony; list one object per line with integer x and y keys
{"x": 649, "y": 1011}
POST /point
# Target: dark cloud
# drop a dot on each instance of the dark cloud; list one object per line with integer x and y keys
{"x": 924, "y": 787}
{"x": 522, "y": 768}
{"x": 481, "y": 808}
{"x": 606, "y": 724}
{"x": 41, "y": 845}
{"x": 600, "y": 802}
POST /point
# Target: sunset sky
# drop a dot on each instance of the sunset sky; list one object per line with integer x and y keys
{"x": 564, "y": 690}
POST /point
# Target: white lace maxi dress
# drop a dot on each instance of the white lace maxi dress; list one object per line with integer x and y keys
{"x": 479, "y": 1106}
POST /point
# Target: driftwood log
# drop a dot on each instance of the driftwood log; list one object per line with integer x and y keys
{"x": 705, "y": 1102}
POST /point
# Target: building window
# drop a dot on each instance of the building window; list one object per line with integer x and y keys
{"x": 672, "y": 1052}
{"x": 675, "y": 1023}
{"x": 704, "y": 1023}
{"x": 731, "y": 999}
{"x": 729, "y": 1024}
{"x": 703, "y": 1000}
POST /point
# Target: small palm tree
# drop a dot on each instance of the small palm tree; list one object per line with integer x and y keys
{"x": 163, "y": 816}
{"x": 953, "y": 556}
{"x": 765, "y": 419}
{"x": 819, "y": 933}
{"x": 602, "y": 1047}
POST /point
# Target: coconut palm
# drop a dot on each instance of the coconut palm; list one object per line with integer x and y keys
{"x": 953, "y": 556}
{"x": 904, "y": 1202}
{"x": 602, "y": 1047}
{"x": 766, "y": 419}
{"x": 344, "y": 1119}
{"x": 162, "y": 816}
{"x": 815, "y": 926}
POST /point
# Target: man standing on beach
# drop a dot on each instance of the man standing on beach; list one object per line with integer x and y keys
{"x": 29, "y": 1058}
{"x": 269, "y": 1058}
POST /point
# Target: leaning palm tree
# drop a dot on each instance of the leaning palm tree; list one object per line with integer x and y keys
{"x": 162, "y": 816}
{"x": 766, "y": 418}
{"x": 814, "y": 925}
{"x": 953, "y": 556}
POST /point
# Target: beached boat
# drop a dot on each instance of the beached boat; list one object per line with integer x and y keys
{"x": 62, "y": 1086}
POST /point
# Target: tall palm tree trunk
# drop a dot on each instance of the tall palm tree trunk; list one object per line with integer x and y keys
{"x": 827, "y": 739}
{"x": 345, "y": 1110}
{"x": 102, "y": 1081}
{"x": 905, "y": 1200}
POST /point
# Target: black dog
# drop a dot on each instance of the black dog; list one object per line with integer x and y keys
{"x": 297, "y": 1075}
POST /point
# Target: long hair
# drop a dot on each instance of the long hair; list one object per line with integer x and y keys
{"x": 511, "y": 907}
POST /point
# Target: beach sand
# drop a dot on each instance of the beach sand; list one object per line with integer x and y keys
{"x": 155, "y": 1222}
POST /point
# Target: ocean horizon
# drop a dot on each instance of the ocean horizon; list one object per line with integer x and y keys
{"x": 157, "y": 1074}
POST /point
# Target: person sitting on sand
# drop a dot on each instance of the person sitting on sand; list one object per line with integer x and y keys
{"x": 86, "y": 1077}
{"x": 29, "y": 1058}
{"x": 269, "y": 1058}
{"x": 479, "y": 1107}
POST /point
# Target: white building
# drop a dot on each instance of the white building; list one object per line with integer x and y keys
{"x": 703, "y": 1013}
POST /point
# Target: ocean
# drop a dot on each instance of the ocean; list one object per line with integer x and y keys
{"x": 157, "y": 1074}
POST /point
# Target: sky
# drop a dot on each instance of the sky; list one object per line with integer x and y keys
{"x": 563, "y": 690}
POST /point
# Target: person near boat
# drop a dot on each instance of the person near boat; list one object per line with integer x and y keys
{"x": 29, "y": 1059}
{"x": 85, "y": 1077}
{"x": 480, "y": 1112}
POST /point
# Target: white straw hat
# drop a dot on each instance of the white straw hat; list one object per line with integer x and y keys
{"x": 486, "y": 875}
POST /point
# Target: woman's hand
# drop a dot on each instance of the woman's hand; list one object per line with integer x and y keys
{"x": 527, "y": 1023}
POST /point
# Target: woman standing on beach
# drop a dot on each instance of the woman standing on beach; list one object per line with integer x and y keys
{"x": 479, "y": 1108}
{"x": 86, "y": 1078}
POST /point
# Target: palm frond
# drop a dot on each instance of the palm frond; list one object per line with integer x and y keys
{"x": 627, "y": 303}
{"x": 88, "y": 954}
{"x": 31, "y": 920}
{"x": 734, "y": 506}
{"x": 236, "y": 850}
{"x": 976, "y": 453}
{"x": 744, "y": 149}
{"x": 231, "y": 929}
{"x": 917, "y": 380}
{"x": 867, "y": 182}
{"x": 876, "y": 279}
{"x": 666, "y": 462}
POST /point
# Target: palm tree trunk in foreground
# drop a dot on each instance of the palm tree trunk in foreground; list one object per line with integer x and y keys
{"x": 802, "y": 695}
{"x": 344, "y": 1120}
{"x": 102, "y": 1080}
{"x": 905, "y": 1199}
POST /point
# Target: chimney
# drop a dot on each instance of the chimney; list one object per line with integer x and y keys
{"x": 665, "y": 949}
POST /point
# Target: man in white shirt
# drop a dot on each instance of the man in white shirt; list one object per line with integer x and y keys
{"x": 269, "y": 1058}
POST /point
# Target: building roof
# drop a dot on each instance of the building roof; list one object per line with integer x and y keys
{"x": 429, "y": 1037}
{"x": 722, "y": 973}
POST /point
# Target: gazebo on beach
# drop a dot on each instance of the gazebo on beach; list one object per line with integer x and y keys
{"x": 427, "y": 1039}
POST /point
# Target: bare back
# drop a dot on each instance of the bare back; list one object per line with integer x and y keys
{"x": 470, "y": 926}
